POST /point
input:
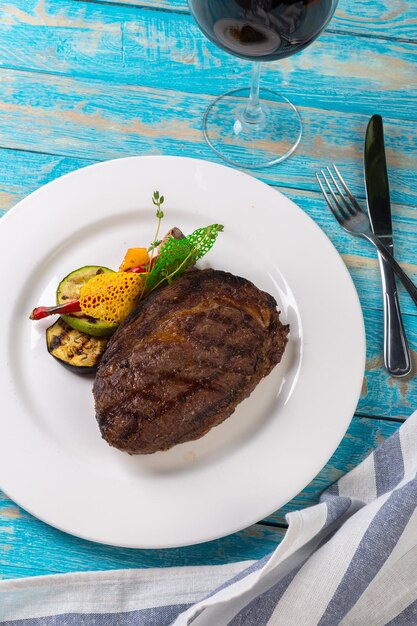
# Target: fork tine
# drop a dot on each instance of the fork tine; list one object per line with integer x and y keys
{"x": 346, "y": 188}
{"x": 333, "y": 195}
{"x": 347, "y": 204}
{"x": 329, "y": 204}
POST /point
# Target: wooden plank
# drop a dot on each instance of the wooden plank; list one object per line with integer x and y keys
{"x": 28, "y": 547}
{"x": 21, "y": 173}
{"x": 384, "y": 18}
{"x": 382, "y": 394}
{"x": 362, "y": 437}
{"x": 88, "y": 119}
{"x": 125, "y": 45}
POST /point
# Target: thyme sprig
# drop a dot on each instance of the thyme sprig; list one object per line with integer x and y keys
{"x": 158, "y": 201}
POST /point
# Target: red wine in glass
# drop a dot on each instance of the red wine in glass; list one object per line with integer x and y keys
{"x": 258, "y": 30}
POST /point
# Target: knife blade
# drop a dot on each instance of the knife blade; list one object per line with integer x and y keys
{"x": 376, "y": 179}
{"x": 396, "y": 352}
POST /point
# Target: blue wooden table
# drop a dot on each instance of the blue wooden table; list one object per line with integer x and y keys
{"x": 87, "y": 80}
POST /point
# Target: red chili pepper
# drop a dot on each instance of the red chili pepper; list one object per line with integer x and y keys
{"x": 141, "y": 269}
{"x": 73, "y": 306}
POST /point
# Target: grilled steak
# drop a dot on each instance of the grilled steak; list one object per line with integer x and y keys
{"x": 184, "y": 359}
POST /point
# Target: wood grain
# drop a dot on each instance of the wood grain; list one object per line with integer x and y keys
{"x": 126, "y": 45}
{"x": 384, "y": 18}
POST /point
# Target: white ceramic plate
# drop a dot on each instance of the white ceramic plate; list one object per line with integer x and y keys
{"x": 53, "y": 461}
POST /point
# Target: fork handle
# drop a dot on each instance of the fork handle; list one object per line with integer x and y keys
{"x": 387, "y": 256}
{"x": 396, "y": 351}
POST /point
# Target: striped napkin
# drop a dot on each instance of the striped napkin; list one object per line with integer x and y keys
{"x": 350, "y": 560}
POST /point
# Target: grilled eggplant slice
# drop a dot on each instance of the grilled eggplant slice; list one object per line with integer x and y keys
{"x": 79, "y": 352}
{"x": 69, "y": 289}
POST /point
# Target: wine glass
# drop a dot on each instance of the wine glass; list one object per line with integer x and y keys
{"x": 253, "y": 127}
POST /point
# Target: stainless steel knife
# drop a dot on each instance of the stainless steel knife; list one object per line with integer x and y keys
{"x": 396, "y": 352}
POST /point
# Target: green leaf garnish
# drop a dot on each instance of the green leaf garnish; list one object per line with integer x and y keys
{"x": 177, "y": 255}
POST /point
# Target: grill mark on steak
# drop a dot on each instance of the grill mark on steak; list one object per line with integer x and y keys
{"x": 182, "y": 362}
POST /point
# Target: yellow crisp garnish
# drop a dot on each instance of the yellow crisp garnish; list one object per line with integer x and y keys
{"x": 110, "y": 297}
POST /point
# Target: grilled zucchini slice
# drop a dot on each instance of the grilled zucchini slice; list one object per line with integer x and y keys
{"x": 79, "y": 352}
{"x": 69, "y": 289}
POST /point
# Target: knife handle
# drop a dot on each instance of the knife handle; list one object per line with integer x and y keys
{"x": 396, "y": 352}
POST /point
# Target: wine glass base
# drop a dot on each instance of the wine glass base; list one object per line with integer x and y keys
{"x": 252, "y": 145}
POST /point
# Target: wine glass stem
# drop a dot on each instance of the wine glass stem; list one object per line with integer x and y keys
{"x": 253, "y": 113}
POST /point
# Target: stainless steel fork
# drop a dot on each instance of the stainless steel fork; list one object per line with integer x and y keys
{"x": 355, "y": 221}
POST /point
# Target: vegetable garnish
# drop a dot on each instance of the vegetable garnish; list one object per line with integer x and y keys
{"x": 79, "y": 352}
{"x": 134, "y": 259}
{"x": 142, "y": 269}
{"x": 178, "y": 255}
{"x": 111, "y": 297}
{"x": 40, "y": 312}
